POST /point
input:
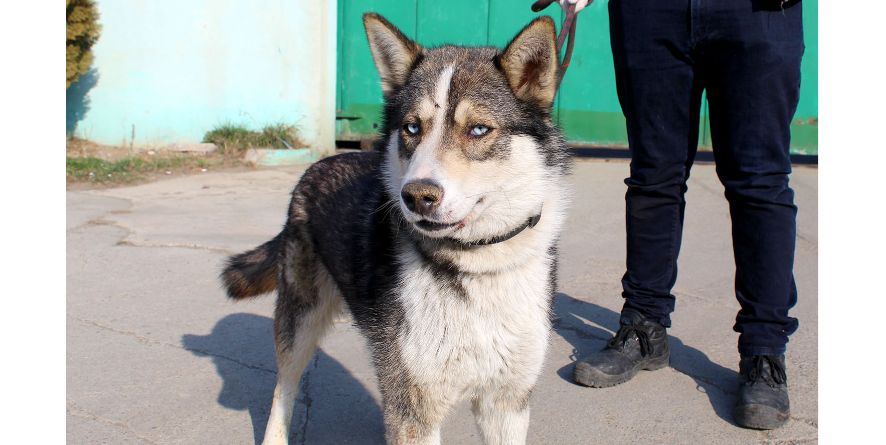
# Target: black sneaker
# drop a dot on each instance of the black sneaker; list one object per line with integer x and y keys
{"x": 763, "y": 402}
{"x": 641, "y": 344}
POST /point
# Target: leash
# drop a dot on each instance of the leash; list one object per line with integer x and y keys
{"x": 568, "y": 28}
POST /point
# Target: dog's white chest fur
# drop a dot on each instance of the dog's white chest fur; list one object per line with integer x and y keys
{"x": 494, "y": 332}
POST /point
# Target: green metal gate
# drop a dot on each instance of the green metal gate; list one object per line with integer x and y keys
{"x": 587, "y": 106}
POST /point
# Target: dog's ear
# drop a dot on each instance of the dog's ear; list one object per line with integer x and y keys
{"x": 531, "y": 64}
{"x": 393, "y": 53}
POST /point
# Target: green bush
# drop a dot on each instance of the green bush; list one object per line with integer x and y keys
{"x": 275, "y": 135}
{"x": 234, "y": 139}
{"x": 82, "y": 32}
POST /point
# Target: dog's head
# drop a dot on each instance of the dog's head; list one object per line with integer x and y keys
{"x": 470, "y": 145}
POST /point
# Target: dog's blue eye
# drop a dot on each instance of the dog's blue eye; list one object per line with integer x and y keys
{"x": 412, "y": 128}
{"x": 479, "y": 130}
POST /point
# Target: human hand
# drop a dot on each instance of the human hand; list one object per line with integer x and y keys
{"x": 579, "y": 4}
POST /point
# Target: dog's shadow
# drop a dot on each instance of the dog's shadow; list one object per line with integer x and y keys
{"x": 571, "y": 317}
{"x": 336, "y": 408}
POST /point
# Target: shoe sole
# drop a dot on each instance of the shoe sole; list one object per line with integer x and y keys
{"x": 587, "y": 376}
{"x": 760, "y": 417}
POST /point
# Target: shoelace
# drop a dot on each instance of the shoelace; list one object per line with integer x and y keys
{"x": 624, "y": 334}
{"x": 776, "y": 375}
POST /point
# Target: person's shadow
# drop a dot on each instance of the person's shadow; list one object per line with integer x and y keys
{"x": 717, "y": 382}
{"x": 332, "y": 406}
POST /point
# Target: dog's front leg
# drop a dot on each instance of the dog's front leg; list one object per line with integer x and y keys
{"x": 410, "y": 433}
{"x": 503, "y": 415}
{"x": 413, "y": 414}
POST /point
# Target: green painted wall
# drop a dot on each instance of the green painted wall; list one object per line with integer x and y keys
{"x": 587, "y": 106}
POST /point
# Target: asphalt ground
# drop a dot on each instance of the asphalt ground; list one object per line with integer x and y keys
{"x": 157, "y": 354}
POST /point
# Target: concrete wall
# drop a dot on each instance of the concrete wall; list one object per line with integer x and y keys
{"x": 172, "y": 70}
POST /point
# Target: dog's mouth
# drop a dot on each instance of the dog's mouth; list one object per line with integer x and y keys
{"x": 436, "y": 229}
{"x": 431, "y": 226}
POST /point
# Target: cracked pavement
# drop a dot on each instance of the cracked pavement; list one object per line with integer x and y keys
{"x": 156, "y": 354}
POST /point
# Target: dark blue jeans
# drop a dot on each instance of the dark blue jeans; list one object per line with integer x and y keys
{"x": 746, "y": 54}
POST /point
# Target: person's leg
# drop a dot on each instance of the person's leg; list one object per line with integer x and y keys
{"x": 753, "y": 69}
{"x": 660, "y": 96}
{"x": 752, "y": 63}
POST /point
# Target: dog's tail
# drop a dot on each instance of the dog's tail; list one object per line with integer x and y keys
{"x": 254, "y": 272}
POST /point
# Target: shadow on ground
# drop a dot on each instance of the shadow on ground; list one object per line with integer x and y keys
{"x": 332, "y": 407}
{"x": 587, "y": 327}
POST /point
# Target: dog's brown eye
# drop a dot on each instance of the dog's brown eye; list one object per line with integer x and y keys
{"x": 412, "y": 128}
{"x": 479, "y": 130}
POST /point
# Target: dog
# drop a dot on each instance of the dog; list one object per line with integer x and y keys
{"x": 442, "y": 242}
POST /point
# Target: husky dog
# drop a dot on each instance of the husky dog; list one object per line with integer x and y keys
{"x": 441, "y": 243}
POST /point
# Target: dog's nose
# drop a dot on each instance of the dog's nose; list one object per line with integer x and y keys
{"x": 422, "y": 197}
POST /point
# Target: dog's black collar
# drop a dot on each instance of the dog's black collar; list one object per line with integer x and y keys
{"x": 530, "y": 223}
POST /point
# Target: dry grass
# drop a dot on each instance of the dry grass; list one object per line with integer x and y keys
{"x": 89, "y": 165}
